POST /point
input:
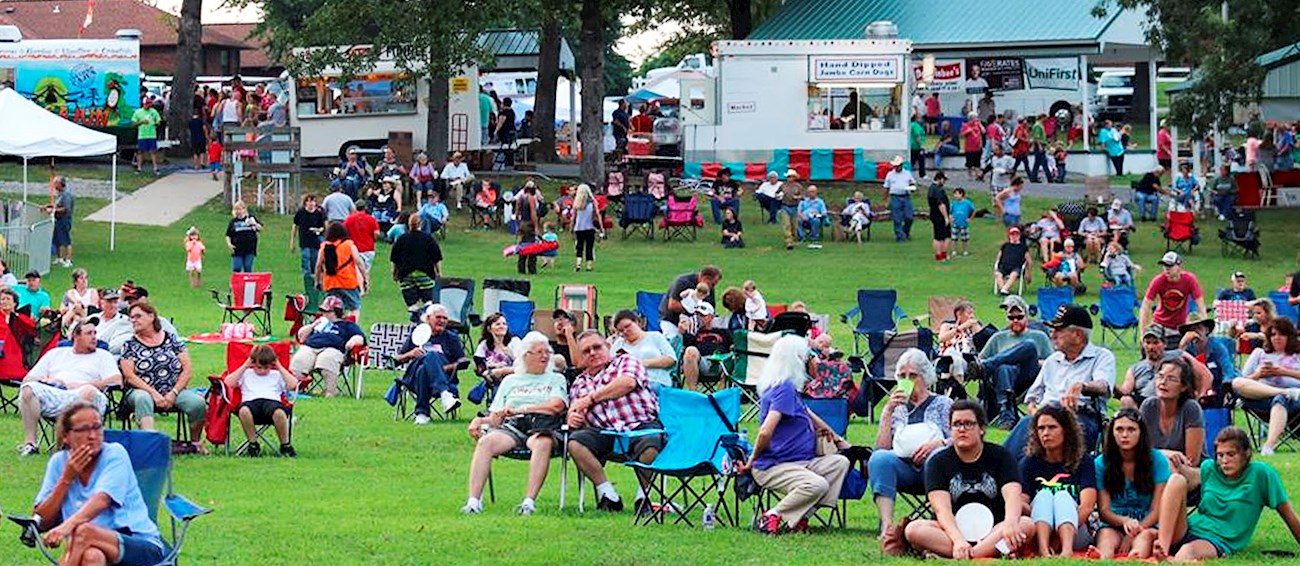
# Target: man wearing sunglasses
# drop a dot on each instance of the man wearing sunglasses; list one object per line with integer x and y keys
{"x": 1009, "y": 361}
{"x": 62, "y": 376}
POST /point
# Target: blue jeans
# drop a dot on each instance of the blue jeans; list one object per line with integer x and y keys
{"x": 1223, "y": 203}
{"x": 732, "y": 203}
{"x": 429, "y": 224}
{"x": 352, "y": 186}
{"x": 1040, "y": 162}
{"x": 1122, "y": 280}
{"x": 890, "y": 474}
{"x": 770, "y": 206}
{"x": 307, "y": 261}
{"x": 901, "y": 212}
{"x": 1019, "y": 438}
{"x": 791, "y": 223}
{"x": 1148, "y": 205}
{"x": 1022, "y": 159}
{"x": 1010, "y": 220}
{"x": 1012, "y": 371}
{"x": 422, "y": 189}
{"x": 243, "y": 263}
{"x": 426, "y": 378}
{"x": 810, "y": 229}
{"x": 1060, "y": 171}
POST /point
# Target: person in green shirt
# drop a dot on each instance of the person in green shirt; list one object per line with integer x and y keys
{"x": 485, "y": 108}
{"x": 146, "y": 121}
{"x": 918, "y": 145}
{"x": 1038, "y": 147}
{"x": 1234, "y": 492}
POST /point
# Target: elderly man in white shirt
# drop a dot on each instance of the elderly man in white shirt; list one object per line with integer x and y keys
{"x": 457, "y": 176}
{"x": 901, "y": 184}
{"x": 1077, "y": 368}
{"x": 767, "y": 196}
{"x": 62, "y": 376}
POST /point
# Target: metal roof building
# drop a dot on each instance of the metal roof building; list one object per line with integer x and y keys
{"x": 1281, "y": 90}
{"x": 517, "y": 50}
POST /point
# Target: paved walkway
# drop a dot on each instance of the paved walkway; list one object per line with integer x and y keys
{"x": 164, "y": 201}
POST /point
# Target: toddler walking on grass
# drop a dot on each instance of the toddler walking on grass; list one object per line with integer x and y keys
{"x": 962, "y": 210}
{"x": 194, "y": 257}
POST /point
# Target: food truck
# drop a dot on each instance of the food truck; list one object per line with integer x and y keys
{"x": 828, "y": 109}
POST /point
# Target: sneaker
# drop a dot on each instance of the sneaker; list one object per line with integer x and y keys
{"x": 768, "y": 524}
{"x": 1267, "y": 451}
{"x": 1005, "y": 421}
{"x": 254, "y": 450}
{"x": 287, "y": 451}
{"x": 815, "y": 246}
{"x": 611, "y": 505}
{"x": 965, "y": 253}
{"x": 28, "y": 449}
{"x": 470, "y": 509}
{"x": 449, "y": 402}
{"x": 525, "y": 509}
{"x": 422, "y": 420}
{"x": 1221, "y": 218}
{"x": 811, "y": 246}
{"x": 801, "y": 526}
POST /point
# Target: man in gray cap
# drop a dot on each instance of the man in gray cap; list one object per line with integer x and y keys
{"x": 1009, "y": 362}
{"x": 1076, "y": 369}
{"x": 1139, "y": 381}
{"x": 1170, "y": 293}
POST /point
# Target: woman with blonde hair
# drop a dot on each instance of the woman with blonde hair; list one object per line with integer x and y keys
{"x": 586, "y": 222}
{"x": 795, "y": 453}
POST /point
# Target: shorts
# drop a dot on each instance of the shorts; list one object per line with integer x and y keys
{"x": 961, "y": 233}
{"x": 351, "y": 297}
{"x": 932, "y": 119}
{"x": 522, "y": 427}
{"x": 54, "y": 399}
{"x": 146, "y": 145}
{"x": 973, "y": 159}
{"x": 942, "y": 231}
{"x": 139, "y": 550}
{"x": 192, "y": 266}
{"x": 62, "y": 232}
{"x": 1189, "y": 538}
{"x": 263, "y": 410}
{"x": 215, "y": 166}
{"x": 1010, "y": 220}
{"x": 368, "y": 259}
{"x": 1006, "y": 272}
{"x": 1167, "y": 163}
{"x": 602, "y": 446}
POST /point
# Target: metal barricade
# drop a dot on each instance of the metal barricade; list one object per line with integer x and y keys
{"x": 26, "y": 235}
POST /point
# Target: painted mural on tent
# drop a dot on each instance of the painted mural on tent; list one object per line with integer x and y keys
{"x": 95, "y": 83}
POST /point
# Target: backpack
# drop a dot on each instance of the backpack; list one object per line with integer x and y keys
{"x": 331, "y": 259}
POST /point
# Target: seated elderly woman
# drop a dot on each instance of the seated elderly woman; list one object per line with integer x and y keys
{"x": 525, "y": 413}
{"x": 786, "y": 453}
{"x": 916, "y": 427}
{"x": 90, "y": 497}
{"x": 157, "y": 369}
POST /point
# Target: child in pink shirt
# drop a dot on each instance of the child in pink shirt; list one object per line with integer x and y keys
{"x": 194, "y": 257}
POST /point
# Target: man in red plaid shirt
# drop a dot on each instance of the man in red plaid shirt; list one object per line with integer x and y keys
{"x": 613, "y": 394}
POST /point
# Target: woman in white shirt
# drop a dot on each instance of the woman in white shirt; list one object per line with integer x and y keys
{"x": 650, "y": 348}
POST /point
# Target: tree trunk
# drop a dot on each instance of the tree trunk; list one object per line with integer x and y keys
{"x": 548, "y": 72}
{"x": 436, "y": 139}
{"x": 189, "y": 38}
{"x": 591, "y": 68}
{"x": 742, "y": 18}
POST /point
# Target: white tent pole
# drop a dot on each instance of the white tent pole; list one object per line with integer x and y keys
{"x": 112, "y": 225}
{"x": 24, "y": 178}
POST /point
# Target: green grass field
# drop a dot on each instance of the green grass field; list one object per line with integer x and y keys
{"x": 366, "y": 489}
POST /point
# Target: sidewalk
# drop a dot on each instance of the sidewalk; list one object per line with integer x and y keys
{"x": 164, "y": 201}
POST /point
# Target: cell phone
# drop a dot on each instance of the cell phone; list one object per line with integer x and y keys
{"x": 906, "y": 386}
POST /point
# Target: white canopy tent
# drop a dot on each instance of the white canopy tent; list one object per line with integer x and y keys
{"x": 31, "y": 131}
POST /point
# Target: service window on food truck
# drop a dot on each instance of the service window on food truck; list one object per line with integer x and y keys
{"x": 855, "y": 93}
{"x": 375, "y": 93}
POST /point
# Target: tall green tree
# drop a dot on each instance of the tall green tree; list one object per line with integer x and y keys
{"x": 1194, "y": 33}
{"x": 592, "y": 42}
{"x": 189, "y": 38}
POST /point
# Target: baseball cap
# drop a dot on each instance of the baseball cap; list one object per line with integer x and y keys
{"x": 1171, "y": 258}
{"x": 704, "y": 309}
{"x": 1117, "y": 204}
{"x": 1152, "y": 333}
{"x": 1071, "y": 315}
{"x": 1238, "y": 275}
{"x": 331, "y": 303}
{"x": 32, "y": 273}
{"x": 1014, "y": 302}
{"x": 1013, "y": 230}
{"x": 109, "y": 294}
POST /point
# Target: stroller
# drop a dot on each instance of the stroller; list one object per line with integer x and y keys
{"x": 682, "y": 218}
{"x": 1241, "y": 235}
{"x": 639, "y": 210}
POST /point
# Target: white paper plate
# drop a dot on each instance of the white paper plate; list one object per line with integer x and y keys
{"x": 975, "y": 521}
{"x": 421, "y": 335}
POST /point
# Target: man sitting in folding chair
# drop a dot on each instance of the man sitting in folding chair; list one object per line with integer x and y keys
{"x": 1009, "y": 362}
{"x": 612, "y": 398}
{"x": 795, "y": 453}
{"x": 433, "y": 364}
{"x": 263, "y": 384}
{"x": 700, "y": 340}
{"x": 63, "y": 376}
{"x": 1139, "y": 381}
{"x": 326, "y": 343}
{"x": 91, "y": 499}
{"x": 525, "y": 415}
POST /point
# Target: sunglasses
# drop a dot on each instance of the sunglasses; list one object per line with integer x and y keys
{"x": 1015, "y": 317}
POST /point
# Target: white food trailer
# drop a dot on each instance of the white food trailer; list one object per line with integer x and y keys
{"x": 829, "y": 109}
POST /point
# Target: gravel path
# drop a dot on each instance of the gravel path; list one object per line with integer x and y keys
{"x": 80, "y": 187}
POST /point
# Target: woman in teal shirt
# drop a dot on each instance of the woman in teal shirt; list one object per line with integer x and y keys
{"x": 1131, "y": 477}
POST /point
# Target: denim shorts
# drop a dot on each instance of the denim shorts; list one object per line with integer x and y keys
{"x": 138, "y": 550}
{"x": 351, "y": 297}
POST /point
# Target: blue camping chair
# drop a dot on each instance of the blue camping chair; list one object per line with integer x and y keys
{"x": 702, "y": 444}
{"x": 877, "y": 311}
{"x": 1051, "y": 299}
{"x": 647, "y": 304}
{"x": 1118, "y": 318}
{"x": 150, "y": 454}
{"x": 519, "y": 316}
{"x": 1283, "y": 307}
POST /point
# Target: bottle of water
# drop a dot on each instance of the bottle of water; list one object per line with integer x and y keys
{"x": 710, "y": 518}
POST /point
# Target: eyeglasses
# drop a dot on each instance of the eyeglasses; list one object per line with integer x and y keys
{"x": 593, "y": 348}
{"x": 965, "y": 425}
{"x": 89, "y": 428}
{"x": 907, "y": 375}
{"x": 1015, "y": 317}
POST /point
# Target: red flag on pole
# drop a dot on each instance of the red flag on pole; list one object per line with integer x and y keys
{"x": 90, "y": 18}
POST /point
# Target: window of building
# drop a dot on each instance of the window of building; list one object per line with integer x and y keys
{"x": 375, "y": 93}
{"x": 872, "y": 108}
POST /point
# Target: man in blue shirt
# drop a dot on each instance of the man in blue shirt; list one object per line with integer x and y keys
{"x": 325, "y": 344}
{"x": 1196, "y": 341}
{"x": 1239, "y": 290}
{"x": 432, "y": 371}
{"x": 812, "y": 212}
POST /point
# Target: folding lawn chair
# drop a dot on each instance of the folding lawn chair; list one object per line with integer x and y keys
{"x": 1257, "y": 415}
{"x": 639, "y": 210}
{"x": 519, "y": 316}
{"x": 749, "y": 353}
{"x": 647, "y": 305}
{"x": 1050, "y": 300}
{"x": 835, "y": 413}
{"x": 877, "y": 310}
{"x": 249, "y": 297}
{"x": 579, "y": 301}
{"x": 1020, "y": 278}
{"x": 1281, "y": 303}
{"x": 150, "y": 454}
{"x": 349, "y": 375}
{"x": 682, "y": 217}
{"x": 1180, "y": 232}
{"x": 878, "y": 373}
{"x": 497, "y": 290}
{"x": 1240, "y": 235}
{"x": 790, "y": 321}
{"x": 939, "y": 310}
{"x": 457, "y": 294}
{"x": 7, "y": 402}
{"x": 230, "y": 398}
{"x": 558, "y": 450}
{"x": 702, "y": 445}
{"x": 1118, "y": 316}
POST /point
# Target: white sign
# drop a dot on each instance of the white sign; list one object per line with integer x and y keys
{"x": 741, "y": 107}
{"x": 948, "y": 75}
{"x": 855, "y": 69}
{"x": 1061, "y": 73}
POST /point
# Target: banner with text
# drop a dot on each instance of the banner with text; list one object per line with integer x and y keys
{"x": 1059, "y": 73}
{"x": 994, "y": 73}
{"x": 855, "y": 69}
{"x": 948, "y": 75}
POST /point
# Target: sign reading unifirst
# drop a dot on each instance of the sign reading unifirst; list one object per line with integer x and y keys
{"x": 855, "y": 69}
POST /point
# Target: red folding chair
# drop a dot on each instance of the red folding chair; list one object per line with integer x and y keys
{"x": 1180, "y": 232}
{"x": 224, "y": 401}
{"x": 249, "y": 297}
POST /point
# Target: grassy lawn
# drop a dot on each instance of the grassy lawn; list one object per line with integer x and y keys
{"x": 366, "y": 489}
